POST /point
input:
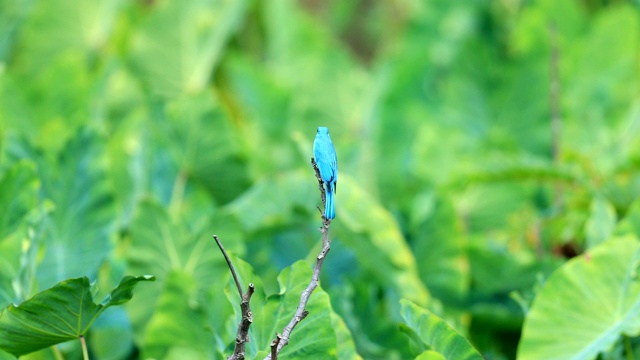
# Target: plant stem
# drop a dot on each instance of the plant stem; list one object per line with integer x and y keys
{"x": 85, "y": 352}
{"x": 56, "y": 353}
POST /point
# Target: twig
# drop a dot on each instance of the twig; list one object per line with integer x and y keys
{"x": 274, "y": 347}
{"x": 323, "y": 195}
{"x": 242, "y": 336}
{"x": 233, "y": 270}
{"x": 282, "y": 340}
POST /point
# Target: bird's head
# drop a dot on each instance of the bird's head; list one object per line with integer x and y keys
{"x": 323, "y": 130}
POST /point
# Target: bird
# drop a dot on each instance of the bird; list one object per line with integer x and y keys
{"x": 327, "y": 161}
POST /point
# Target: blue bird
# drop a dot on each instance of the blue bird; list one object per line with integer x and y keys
{"x": 325, "y": 156}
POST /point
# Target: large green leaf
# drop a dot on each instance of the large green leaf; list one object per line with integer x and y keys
{"x": 200, "y": 157}
{"x": 178, "y": 324}
{"x": 630, "y": 224}
{"x": 432, "y": 333}
{"x": 314, "y": 337}
{"x": 13, "y": 14}
{"x": 346, "y": 347}
{"x": 19, "y": 188}
{"x": 58, "y": 26}
{"x": 431, "y": 355}
{"x": 19, "y": 195}
{"x": 56, "y": 62}
{"x": 301, "y": 57}
{"x": 112, "y": 327}
{"x": 64, "y": 312}
{"x": 595, "y": 298}
{"x": 78, "y": 231}
{"x": 601, "y": 222}
{"x": 277, "y": 197}
{"x": 178, "y": 44}
{"x": 162, "y": 243}
{"x": 383, "y": 250}
{"x": 20, "y": 235}
{"x": 597, "y": 86}
{"x": 438, "y": 241}
{"x": 173, "y": 247}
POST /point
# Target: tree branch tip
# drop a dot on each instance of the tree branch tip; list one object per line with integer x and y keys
{"x": 277, "y": 339}
{"x": 274, "y": 346}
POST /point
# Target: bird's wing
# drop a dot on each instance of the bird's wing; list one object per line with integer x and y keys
{"x": 326, "y": 160}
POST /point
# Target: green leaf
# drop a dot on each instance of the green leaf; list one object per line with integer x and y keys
{"x": 19, "y": 188}
{"x": 76, "y": 235}
{"x": 594, "y": 297}
{"x": 112, "y": 327}
{"x": 178, "y": 323}
{"x": 440, "y": 240}
{"x": 19, "y": 195}
{"x": 346, "y": 346}
{"x": 602, "y": 65}
{"x": 50, "y": 30}
{"x": 195, "y": 31}
{"x": 630, "y": 224}
{"x": 11, "y": 18}
{"x": 601, "y": 222}
{"x": 202, "y": 157}
{"x": 430, "y": 355}
{"x": 61, "y": 313}
{"x": 6, "y": 356}
{"x": 433, "y": 333}
{"x": 164, "y": 245}
{"x": 161, "y": 244}
{"x": 384, "y": 251}
{"x": 277, "y": 198}
{"x": 517, "y": 271}
{"x": 314, "y": 337}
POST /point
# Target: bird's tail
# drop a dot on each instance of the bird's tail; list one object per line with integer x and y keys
{"x": 329, "y": 209}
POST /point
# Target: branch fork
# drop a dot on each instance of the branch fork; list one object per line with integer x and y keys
{"x": 281, "y": 340}
{"x": 242, "y": 336}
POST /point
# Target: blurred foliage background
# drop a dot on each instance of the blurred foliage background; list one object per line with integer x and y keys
{"x": 481, "y": 144}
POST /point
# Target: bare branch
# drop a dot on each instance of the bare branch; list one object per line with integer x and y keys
{"x": 274, "y": 347}
{"x": 242, "y": 336}
{"x": 233, "y": 270}
{"x": 323, "y": 194}
{"x": 282, "y": 340}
